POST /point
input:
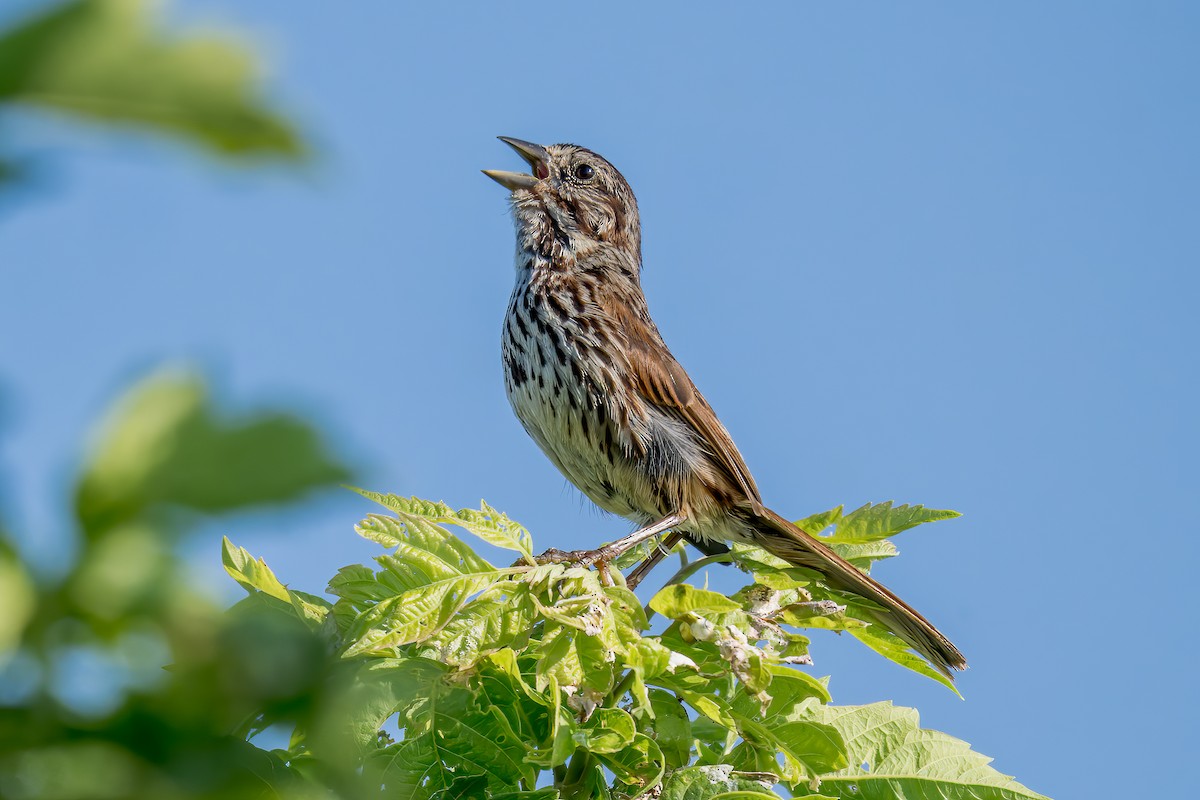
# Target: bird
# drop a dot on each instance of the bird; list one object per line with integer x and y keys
{"x": 592, "y": 381}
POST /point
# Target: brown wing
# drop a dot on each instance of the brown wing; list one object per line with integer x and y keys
{"x": 662, "y": 381}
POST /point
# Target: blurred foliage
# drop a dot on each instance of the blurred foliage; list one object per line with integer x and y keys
{"x": 86, "y": 707}
{"x": 103, "y": 61}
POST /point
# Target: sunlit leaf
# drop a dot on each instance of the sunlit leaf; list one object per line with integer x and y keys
{"x": 501, "y": 616}
{"x": 891, "y": 756}
{"x": 679, "y": 600}
{"x": 487, "y": 523}
{"x": 873, "y": 522}
{"x": 255, "y": 576}
{"x": 414, "y": 615}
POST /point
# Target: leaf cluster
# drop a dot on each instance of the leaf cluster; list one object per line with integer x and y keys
{"x": 467, "y": 679}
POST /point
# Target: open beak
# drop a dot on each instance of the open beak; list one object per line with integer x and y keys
{"x": 534, "y": 154}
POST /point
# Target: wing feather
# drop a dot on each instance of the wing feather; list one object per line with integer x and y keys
{"x": 662, "y": 381}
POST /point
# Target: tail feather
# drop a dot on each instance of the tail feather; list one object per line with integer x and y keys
{"x": 783, "y": 539}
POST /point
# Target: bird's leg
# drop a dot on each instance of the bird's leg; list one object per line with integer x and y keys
{"x": 660, "y": 552}
{"x": 608, "y": 552}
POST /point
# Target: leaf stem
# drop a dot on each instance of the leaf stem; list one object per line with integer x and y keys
{"x": 575, "y": 770}
{"x": 619, "y": 690}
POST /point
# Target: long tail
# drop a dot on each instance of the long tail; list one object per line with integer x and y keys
{"x": 783, "y": 539}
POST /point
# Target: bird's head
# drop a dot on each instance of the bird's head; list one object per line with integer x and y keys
{"x": 570, "y": 203}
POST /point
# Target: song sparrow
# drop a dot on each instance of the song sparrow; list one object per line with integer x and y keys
{"x": 592, "y": 381}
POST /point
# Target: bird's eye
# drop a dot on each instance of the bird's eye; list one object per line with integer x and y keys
{"x": 584, "y": 172}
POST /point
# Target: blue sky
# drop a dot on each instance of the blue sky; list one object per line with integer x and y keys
{"x": 939, "y": 254}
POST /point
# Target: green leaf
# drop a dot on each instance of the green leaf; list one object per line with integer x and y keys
{"x": 414, "y": 615}
{"x": 588, "y": 627}
{"x": 412, "y": 769}
{"x": 458, "y": 739}
{"x": 670, "y": 727}
{"x": 378, "y": 689}
{"x": 873, "y": 522}
{"x": 485, "y": 744}
{"x": 252, "y": 573}
{"x": 640, "y": 764}
{"x": 424, "y": 551}
{"x": 767, "y": 569}
{"x": 608, "y": 730}
{"x": 359, "y": 585}
{"x": 709, "y": 782}
{"x": 816, "y": 524}
{"x": 435, "y": 575}
{"x": 679, "y": 600}
{"x": 165, "y": 446}
{"x": 864, "y": 554}
{"x": 892, "y": 647}
{"x": 501, "y": 616}
{"x": 790, "y": 688}
{"x": 905, "y": 761}
{"x": 102, "y": 60}
{"x": 487, "y": 523}
{"x": 255, "y": 576}
{"x": 812, "y": 748}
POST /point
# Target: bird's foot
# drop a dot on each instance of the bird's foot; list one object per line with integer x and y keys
{"x": 582, "y": 558}
{"x": 577, "y": 558}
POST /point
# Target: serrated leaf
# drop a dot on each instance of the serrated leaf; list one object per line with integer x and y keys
{"x": 486, "y": 522}
{"x": 767, "y": 569}
{"x": 679, "y": 600}
{"x": 873, "y": 522}
{"x": 465, "y": 739}
{"x": 414, "y": 615}
{"x": 501, "y": 616}
{"x": 252, "y": 573}
{"x": 359, "y": 585}
{"x": 485, "y": 744}
{"x": 432, "y": 550}
{"x": 557, "y": 658}
{"x": 255, "y": 576}
{"x": 864, "y": 554}
{"x": 816, "y": 524}
{"x": 906, "y": 761}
